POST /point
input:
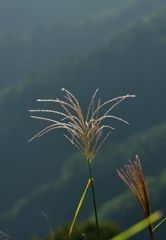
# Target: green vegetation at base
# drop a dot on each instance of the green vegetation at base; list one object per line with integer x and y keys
{"x": 85, "y": 230}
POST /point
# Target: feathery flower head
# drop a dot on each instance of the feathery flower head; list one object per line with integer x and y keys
{"x": 85, "y": 133}
{"x": 134, "y": 178}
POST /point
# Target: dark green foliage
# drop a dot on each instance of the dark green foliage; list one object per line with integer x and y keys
{"x": 88, "y": 228}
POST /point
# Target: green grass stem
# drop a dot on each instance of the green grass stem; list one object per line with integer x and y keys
{"x": 138, "y": 227}
{"x": 94, "y": 199}
{"x": 158, "y": 225}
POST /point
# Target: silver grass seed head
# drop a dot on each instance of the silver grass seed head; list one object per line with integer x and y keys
{"x": 134, "y": 178}
{"x": 86, "y": 133}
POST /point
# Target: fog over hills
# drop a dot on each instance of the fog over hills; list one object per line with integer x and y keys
{"x": 35, "y": 13}
{"x": 36, "y": 34}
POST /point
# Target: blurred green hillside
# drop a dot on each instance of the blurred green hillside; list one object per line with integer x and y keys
{"x": 34, "y": 34}
{"x": 48, "y": 173}
{"x": 25, "y": 16}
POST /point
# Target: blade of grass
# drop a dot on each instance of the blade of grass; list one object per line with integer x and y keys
{"x": 78, "y": 207}
{"x": 158, "y": 225}
{"x": 138, "y": 227}
{"x": 51, "y": 229}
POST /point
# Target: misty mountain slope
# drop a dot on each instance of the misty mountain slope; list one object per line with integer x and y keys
{"x": 133, "y": 61}
{"x": 25, "y": 16}
{"x": 35, "y": 13}
{"x": 23, "y": 52}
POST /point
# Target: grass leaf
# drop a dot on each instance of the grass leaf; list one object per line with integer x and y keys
{"x": 78, "y": 207}
{"x": 138, "y": 227}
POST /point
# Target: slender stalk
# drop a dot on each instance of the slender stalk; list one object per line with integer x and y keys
{"x": 158, "y": 225}
{"x": 94, "y": 199}
{"x": 151, "y": 236}
{"x": 136, "y": 228}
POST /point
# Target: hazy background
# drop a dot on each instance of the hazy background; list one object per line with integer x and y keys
{"x": 117, "y": 46}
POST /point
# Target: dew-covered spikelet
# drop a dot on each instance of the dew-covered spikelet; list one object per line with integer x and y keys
{"x": 86, "y": 133}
